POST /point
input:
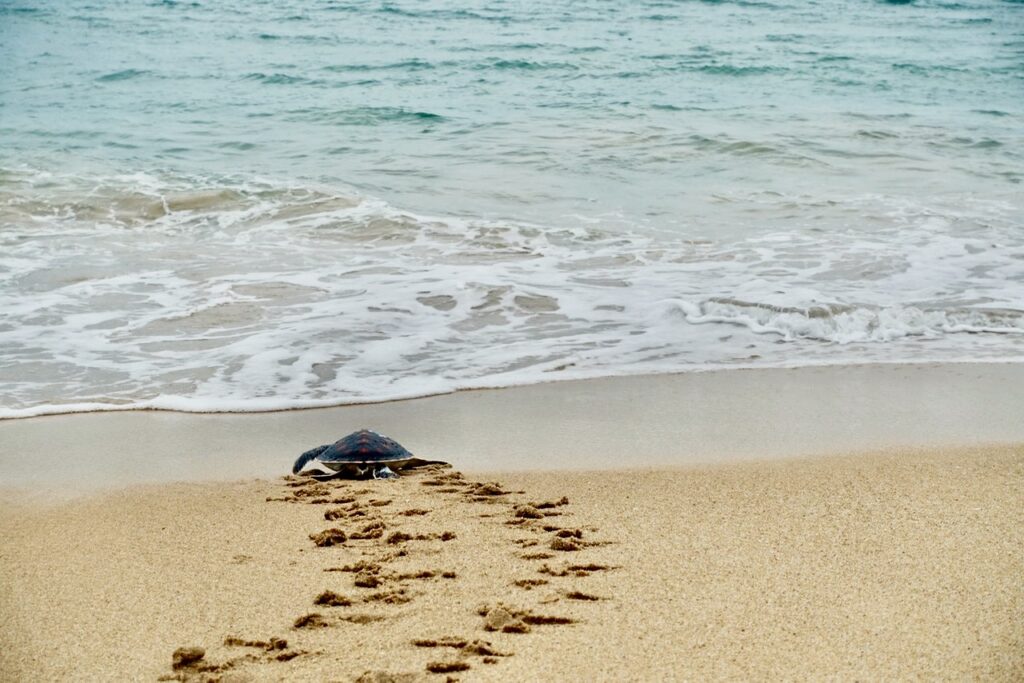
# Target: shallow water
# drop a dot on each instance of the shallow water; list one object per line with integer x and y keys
{"x": 258, "y": 205}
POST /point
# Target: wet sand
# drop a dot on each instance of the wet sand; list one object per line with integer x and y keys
{"x": 614, "y": 423}
{"x": 889, "y": 565}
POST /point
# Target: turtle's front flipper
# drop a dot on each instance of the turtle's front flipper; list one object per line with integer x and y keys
{"x": 307, "y": 456}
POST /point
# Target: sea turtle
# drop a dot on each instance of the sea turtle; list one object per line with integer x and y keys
{"x": 360, "y": 455}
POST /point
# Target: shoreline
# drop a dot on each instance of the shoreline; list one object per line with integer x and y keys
{"x": 597, "y": 424}
{"x": 94, "y": 408}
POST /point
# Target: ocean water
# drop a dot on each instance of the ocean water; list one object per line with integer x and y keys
{"x": 254, "y": 205}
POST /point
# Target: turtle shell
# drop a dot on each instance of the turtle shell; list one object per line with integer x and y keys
{"x": 363, "y": 448}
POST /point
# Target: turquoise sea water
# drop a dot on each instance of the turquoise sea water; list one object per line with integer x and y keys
{"x": 246, "y": 205}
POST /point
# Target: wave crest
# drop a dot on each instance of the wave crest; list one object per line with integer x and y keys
{"x": 849, "y": 323}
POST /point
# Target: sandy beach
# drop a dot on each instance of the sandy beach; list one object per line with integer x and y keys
{"x": 899, "y": 565}
{"x": 892, "y": 561}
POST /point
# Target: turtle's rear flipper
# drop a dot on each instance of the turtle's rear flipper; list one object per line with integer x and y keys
{"x": 320, "y": 475}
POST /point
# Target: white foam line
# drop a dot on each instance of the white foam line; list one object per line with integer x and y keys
{"x": 179, "y": 404}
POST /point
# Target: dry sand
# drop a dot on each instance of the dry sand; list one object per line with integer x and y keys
{"x": 898, "y": 565}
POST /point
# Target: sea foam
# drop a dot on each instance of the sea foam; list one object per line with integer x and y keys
{"x": 204, "y": 293}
